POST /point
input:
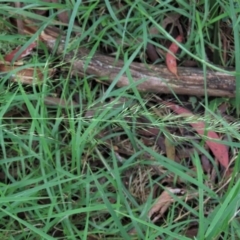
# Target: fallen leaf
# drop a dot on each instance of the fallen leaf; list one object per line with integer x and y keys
{"x": 92, "y": 237}
{"x": 27, "y": 75}
{"x": 9, "y": 57}
{"x": 163, "y": 203}
{"x": 219, "y": 150}
{"x": 193, "y": 232}
{"x": 172, "y": 19}
{"x": 170, "y": 149}
{"x": 171, "y": 61}
{"x": 151, "y": 52}
{"x": 206, "y": 164}
{"x": 49, "y": 34}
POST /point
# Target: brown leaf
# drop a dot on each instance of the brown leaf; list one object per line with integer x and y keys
{"x": 161, "y": 143}
{"x": 171, "y": 61}
{"x": 171, "y": 18}
{"x": 9, "y": 57}
{"x": 170, "y": 149}
{"x": 27, "y": 75}
{"x": 193, "y": 232}
{"x": 92, "y": 237}
{"x": 219, "y": 150}
{"x": 63, "y": 16}
{"x": 163, "y": 203}
{"x": 206, "y": 164}
{"x": 151, "y": 52}
{"x": 49, "y": 34}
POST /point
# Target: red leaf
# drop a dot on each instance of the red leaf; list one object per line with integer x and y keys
{"x": 219, "y": 150}
{"x": 9, "y": 57}
{"x": 171, "y": 61}
{"x": 174, "y": 47}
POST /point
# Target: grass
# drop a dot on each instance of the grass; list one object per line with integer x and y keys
{"x": 89, "y": 171}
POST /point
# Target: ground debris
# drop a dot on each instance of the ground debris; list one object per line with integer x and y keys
{"x": 163, "y": 203}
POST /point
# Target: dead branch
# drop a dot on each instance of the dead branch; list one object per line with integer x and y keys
{"x": 149, "y": 78}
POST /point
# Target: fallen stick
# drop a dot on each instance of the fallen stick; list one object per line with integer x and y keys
{"x": 157, "y": 79}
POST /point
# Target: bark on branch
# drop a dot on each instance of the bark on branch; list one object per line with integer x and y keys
{"x": 157, "y": 79}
